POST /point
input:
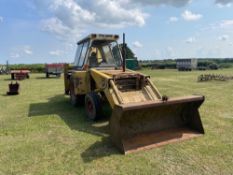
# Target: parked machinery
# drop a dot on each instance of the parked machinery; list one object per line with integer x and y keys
{"x": 54, "y": 69}
{"x": 141, "y": 117}
{"x": 19, "y": 74}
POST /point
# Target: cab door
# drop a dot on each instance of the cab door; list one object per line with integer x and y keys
{"x": 81, "y": 55}
{"x": 80, "y": 78}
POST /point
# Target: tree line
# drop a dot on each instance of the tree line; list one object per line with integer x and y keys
{"x": 203, "y": 63}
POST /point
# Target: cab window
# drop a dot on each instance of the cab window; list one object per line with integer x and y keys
{"x": 83, "y": 54}
{"x": 77, "y": 55}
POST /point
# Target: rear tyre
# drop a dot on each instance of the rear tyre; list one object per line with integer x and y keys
{"x": 75, "y": 100}
{"x": 93, "y": 106}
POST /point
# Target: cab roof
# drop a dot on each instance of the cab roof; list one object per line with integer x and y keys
{"x": 94, "y": 36}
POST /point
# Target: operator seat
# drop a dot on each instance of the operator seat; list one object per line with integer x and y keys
{"x": 93, "y": 60}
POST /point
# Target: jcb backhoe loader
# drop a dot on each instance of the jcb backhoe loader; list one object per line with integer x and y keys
{"x": 141, "y": 117}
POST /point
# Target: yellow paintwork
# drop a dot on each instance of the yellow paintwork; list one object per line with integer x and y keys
{"x": 102, "y": 83}
{"x": 90, "y": 79}
{"x": 82, "y": 83}
{"x": 66, "y": 81}
{"x": 100, "y": 37}
{"x": 138, "y": 107}
{"x": 81, "y": 80}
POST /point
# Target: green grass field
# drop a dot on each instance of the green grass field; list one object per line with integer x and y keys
{"x": 41, "y": 133}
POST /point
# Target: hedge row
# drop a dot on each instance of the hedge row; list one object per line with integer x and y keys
{"x": 171, "y": 64}
{"x": 156, "y": 64}
{"x": 35, "y": 68}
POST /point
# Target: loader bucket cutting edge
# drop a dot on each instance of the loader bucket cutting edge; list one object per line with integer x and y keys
{"x": 139, "y": 126}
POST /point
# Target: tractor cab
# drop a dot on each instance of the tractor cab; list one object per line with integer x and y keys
{"x": 98, "y": 51}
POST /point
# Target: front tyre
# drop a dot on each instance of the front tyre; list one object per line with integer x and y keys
{"x": 93, "y": 106}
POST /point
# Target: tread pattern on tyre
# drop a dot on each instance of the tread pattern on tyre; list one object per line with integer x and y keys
{"x": 97, "y": 105}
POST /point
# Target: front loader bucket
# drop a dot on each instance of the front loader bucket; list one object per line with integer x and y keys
{"x": 138, "y": 126}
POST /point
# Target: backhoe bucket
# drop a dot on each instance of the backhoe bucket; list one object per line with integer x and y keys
{"x": 139, "y": 126}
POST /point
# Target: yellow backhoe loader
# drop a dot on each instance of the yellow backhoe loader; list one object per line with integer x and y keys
{"x": 141, "y": 117}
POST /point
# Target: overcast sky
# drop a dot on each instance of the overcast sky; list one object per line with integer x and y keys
{"x": 42, "y": 31}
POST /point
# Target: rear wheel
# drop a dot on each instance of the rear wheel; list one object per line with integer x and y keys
{"x": 75, "y": 100}
{"x": 93, "y": 106}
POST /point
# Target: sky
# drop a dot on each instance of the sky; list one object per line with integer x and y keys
{"x": 46, "y": 31}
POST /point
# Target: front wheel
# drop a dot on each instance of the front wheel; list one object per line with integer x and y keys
{"x": 93, "y": 106}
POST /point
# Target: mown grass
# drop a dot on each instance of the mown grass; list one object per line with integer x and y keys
{"x": 41, "y": 133}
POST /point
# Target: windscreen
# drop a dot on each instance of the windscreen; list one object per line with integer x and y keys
{"x": 105, "y": 54}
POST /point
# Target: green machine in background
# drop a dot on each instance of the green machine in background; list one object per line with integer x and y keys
{"x": 132, "y": 63}
{"x": 131, "y": 59}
